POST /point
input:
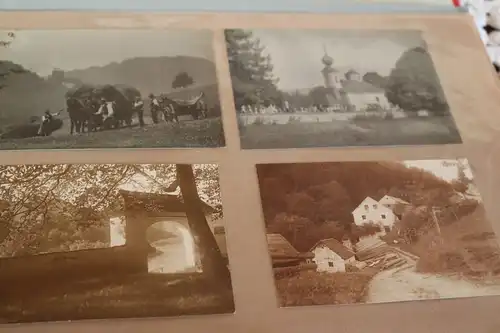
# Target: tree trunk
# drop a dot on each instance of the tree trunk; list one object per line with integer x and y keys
{"x": 212, "y": 262}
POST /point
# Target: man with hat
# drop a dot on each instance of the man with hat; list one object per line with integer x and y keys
{"x": 139, "y": 107}
{"x": 155, "y": 108}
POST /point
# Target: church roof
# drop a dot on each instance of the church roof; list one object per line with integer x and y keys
{"x": 360, "y": 87}
{"x": 351, "y": 71}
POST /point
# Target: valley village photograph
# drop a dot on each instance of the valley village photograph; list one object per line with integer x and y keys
{"x": 329, "y": 88}
{"x": 103, "y": 241}
{"x": 377, "y": 232}
{"x": 64, "y": 89}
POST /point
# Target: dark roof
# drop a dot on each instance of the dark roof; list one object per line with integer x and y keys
{"x": 165, "y": 202}
{"x": 360, "y": 87}
{"x": 336, "y": 247}
{"x": 280, "y": 247}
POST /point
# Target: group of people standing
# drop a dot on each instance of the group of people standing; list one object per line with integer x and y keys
{"x": 107, "y": 109}
{"x": 155, "y": 108}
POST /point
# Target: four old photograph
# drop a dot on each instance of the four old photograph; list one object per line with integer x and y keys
{"x": 90, "y": 241}
{"x": 318, "y": 88}
{"x": 142, "y": 240}
{"x": 108, "y": 89}
{"x": 376, "y": 232}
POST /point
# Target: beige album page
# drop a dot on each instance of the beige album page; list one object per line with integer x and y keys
{"x": 247, "y": 173}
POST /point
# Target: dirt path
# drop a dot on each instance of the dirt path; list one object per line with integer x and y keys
{"x": 404, "y": 284}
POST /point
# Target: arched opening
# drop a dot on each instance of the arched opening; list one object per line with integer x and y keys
{"x": 175, "y": 248}
{"x": 117, "y": 231}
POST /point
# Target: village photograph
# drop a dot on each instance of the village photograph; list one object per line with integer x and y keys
{"x": 377, "y": 232}
{"x": 328, "y": 88}
{"x": 101, "y": 241}
{"x": 63, "y": 89}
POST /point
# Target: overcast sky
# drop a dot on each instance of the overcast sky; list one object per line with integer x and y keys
{"x": 43, "y": 50}
{"x": 296, "y": 54}
{"x": 448, "y": 172}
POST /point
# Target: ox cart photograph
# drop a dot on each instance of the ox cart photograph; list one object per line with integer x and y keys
{"x": 145, "y": 94}
{"x": 102, "y": 241}
{"x": 377, "y": 232}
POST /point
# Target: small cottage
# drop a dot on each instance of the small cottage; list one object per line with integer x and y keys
{"x": 331, "y": 256}
{"x": 372, "y": 211}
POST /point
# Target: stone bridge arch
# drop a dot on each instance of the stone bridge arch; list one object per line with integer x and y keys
{"x": 141, "y": 211}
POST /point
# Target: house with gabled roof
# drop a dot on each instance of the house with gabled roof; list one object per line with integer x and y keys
{"x": 331, "y": 256}
{"x": 370, "y": 211}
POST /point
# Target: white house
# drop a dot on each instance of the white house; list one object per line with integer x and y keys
{"x": 372, "y": 211}
{"x": 331, "y": 256}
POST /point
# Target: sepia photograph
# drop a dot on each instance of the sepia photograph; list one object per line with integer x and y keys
{"x": 102, "y": 241}
{"x": 64, "y": 89}
{"x": 377, "y": 232}
{"x": 329, "y": 88}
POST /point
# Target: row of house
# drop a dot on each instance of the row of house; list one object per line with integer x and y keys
{"x": 331, "y": 255}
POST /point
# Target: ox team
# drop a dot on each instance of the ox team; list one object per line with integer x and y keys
{"x": 106, "y": 110}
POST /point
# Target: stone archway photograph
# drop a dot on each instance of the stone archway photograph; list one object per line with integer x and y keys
{"x": 113, "y": 241}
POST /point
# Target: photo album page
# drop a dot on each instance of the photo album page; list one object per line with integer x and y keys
{"x": 247, "y": 173}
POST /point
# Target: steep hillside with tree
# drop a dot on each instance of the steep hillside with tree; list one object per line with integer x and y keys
{"x": 315, "y": 200}
{"x": 24, "y": 94}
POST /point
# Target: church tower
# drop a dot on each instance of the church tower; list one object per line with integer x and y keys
{"x": 330, "y": 75}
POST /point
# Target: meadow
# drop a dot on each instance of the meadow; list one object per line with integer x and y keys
{"x": 353, "y": 132}
{"x": 186, "y": 134}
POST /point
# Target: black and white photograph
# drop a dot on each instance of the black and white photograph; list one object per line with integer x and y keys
{"x": 377, "y": 232}
{"x": 102, "y": 241}
{"x": 328, "y": 88}
{"x": 64, "y": 89}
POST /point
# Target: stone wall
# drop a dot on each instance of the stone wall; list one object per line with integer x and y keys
{"x": 75, "y": 264}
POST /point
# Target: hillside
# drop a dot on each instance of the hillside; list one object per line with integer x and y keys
{"x": 317, "y": 199}
{"x": 149, "y": 75}
{"x": 25, "y": 94}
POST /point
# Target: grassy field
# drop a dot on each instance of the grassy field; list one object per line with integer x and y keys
{"x": 186, "y": 134}
{"x": 151, "y": 295}
{"x": 361, "y": 132}
{"x": 314, "y": 288}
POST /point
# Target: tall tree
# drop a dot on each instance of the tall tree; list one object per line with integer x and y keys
{"x": 213, "y": 264}
{"x": 414, "y": 85}
{"x": 182, "y": 80}
{"x": 5, "y": 66}
{"x": 251, "y": 70}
